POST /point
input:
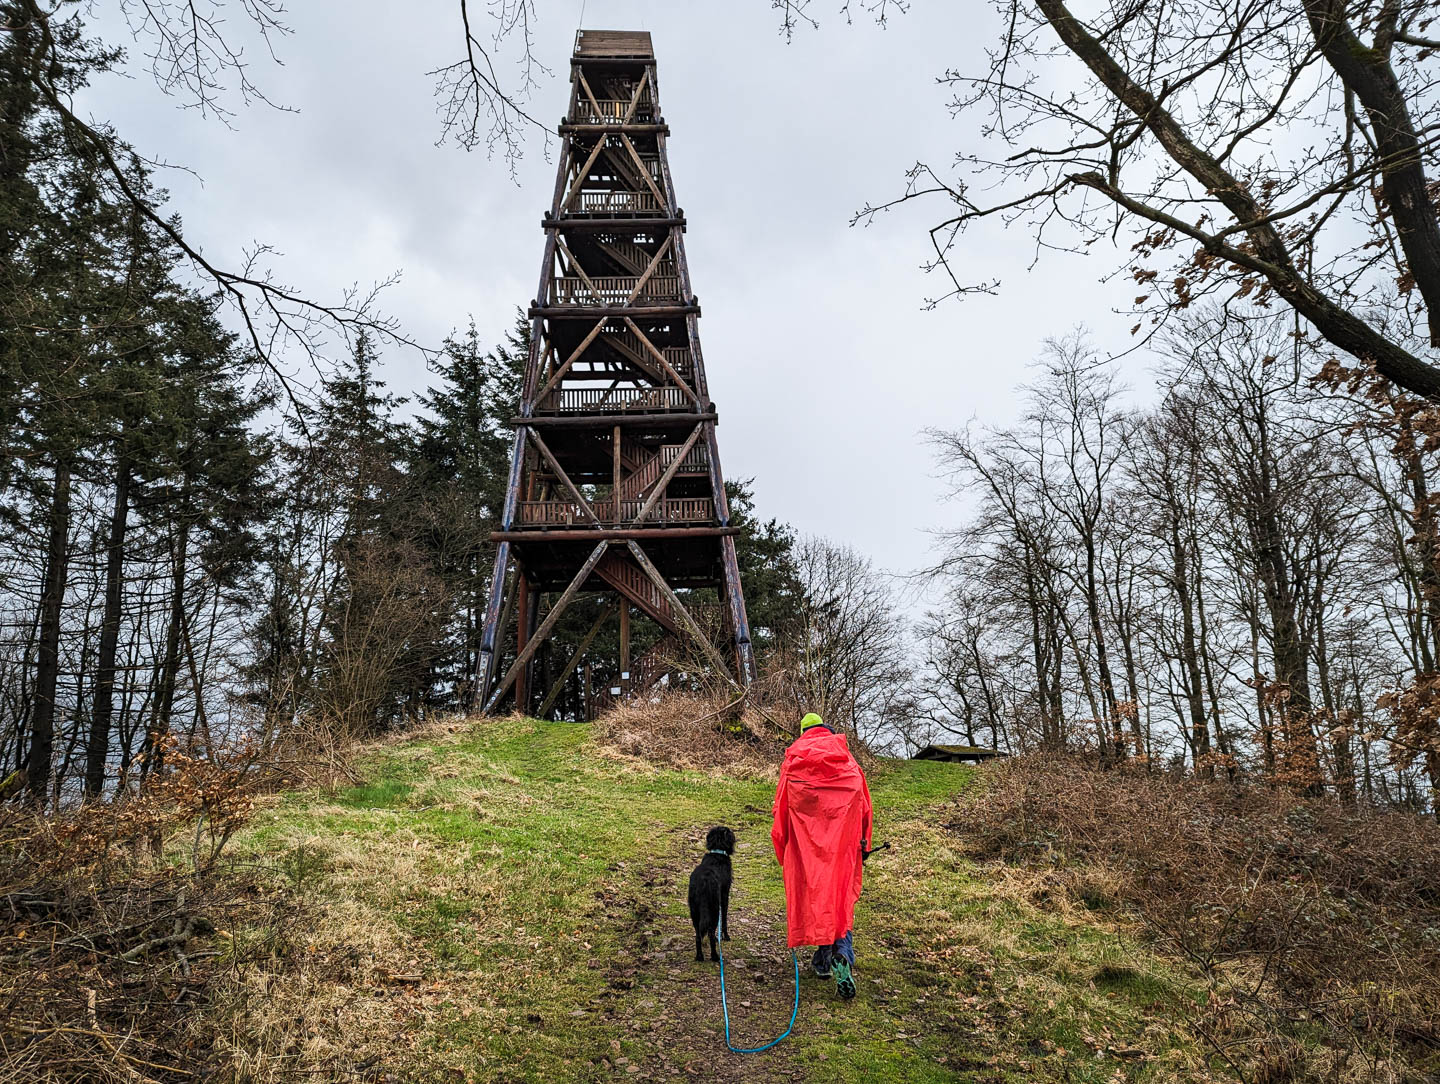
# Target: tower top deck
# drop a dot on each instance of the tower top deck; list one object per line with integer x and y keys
{"x": 629, "y": 44}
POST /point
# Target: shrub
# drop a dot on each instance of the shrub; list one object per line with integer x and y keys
{"x": 1307, "y": 918}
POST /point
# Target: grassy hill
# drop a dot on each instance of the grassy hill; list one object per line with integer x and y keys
{"x": 504, "y": 901}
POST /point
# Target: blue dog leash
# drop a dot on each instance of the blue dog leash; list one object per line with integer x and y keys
{"x": 725, "y": 1008}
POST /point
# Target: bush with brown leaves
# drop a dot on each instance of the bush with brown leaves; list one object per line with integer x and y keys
{"x": 112, "y": 920}
{"x": 1302, "y": 914}
{"x": 682, "y": 730}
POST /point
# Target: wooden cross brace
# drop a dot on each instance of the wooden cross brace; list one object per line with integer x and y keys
{"x": 548, "y": 625}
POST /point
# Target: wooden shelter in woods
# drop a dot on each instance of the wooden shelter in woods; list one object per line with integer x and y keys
{"x": 958, "y": 754}
{"x": 615, "y": 483}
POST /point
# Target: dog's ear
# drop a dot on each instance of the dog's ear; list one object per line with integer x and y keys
{"x": 729, "y": 843}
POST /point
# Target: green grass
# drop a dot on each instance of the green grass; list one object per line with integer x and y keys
{"x": 507, "y": 899}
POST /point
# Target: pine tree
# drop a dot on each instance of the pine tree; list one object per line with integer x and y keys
{"x": 460, "y": 462}
{"x": 209, "y": 490}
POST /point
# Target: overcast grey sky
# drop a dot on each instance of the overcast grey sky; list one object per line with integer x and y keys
{"x": 820, "y": 358}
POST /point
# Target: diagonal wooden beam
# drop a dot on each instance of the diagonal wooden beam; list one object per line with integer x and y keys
{"x": 575, "y": 266}
{"x": 622, "y": 165}
{"x": 691, "y": 625}
{"x": 543, "y": 632}
{"x": 554, "y": 693}
{"x": 660, "y": 357}
{"x": 640, "y": 165}
{"x": 649, "y": 270}
{"x": 559, "y": 374}
{"x": 585, "y": 86}
{"x": 635, "y": 98}
{"x": 664, "y": 481}
{"x": 555, "y": 466}
{"x": 579, "y": 180}
{"x": 639, "y": 360}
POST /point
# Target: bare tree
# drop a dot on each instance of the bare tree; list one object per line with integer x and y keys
{"x": 848, "y": 651}
{"x": 1247, "y": 148}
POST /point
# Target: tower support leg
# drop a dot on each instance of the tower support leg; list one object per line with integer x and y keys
{"x": 493, "y": 630}
{"x": 525, "y": 600}
{"x": 735, "y": 611}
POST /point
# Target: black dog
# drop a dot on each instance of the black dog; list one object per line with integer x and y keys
{"x": 710, "y": 891}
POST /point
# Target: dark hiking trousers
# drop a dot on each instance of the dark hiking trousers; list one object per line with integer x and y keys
{"x": 844, "y": 948}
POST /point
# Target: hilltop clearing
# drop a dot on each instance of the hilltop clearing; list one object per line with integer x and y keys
{"x": 505, "y": 901}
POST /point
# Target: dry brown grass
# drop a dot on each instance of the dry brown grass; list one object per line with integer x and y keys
{"x": 111, "y": 920}
{"x": 679, "y": 730}
{"x": 1316, "y": 925}
{"x": 133, "y": 948}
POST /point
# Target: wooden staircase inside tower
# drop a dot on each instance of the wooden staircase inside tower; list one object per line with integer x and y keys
{"x": 645, "y": 674}
{"x": 629, "y": 347}
{"x": 627, "y": 578}
{"x": 645, "y": 469}
{"x": 629, "y": 257}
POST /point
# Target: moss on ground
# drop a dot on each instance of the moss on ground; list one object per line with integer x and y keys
{"x": 504, "y": 900}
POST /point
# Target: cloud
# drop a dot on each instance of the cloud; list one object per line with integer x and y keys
{"x": 823, "y": 364}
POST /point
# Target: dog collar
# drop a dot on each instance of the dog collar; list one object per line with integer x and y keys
{"x": 725, "y": 853}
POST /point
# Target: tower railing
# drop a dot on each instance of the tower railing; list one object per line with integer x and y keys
{"x": 613, "y": 110}
{"x": 613, "y": 400}
{"x": 569, "y": 513}
{"x": 613, "y": 289}
{"x": 615, "y": 204}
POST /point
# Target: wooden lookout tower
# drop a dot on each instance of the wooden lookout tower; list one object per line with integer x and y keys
{"x": 615, "y": 483}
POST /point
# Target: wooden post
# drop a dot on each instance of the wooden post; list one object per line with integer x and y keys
{"x": 617, "y": 474}
{"x": 569, "y": 667}
{"x": 497, "y": 620}
{"x": 624, "y": 642}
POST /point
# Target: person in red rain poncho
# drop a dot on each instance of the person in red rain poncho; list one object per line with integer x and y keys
{"x": 821, "y": 833}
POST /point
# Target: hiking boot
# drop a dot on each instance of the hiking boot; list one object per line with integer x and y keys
{"x": 844, "y": 980}
{"x": 821, "y": 965}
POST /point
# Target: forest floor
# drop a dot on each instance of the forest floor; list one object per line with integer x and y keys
{"x": 505, "y": 901}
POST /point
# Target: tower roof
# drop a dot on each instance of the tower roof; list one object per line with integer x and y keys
{"x": 616, "y": 43}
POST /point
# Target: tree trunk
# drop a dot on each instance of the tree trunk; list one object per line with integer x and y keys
{"x": 1340, "y": 745}
{"x": 1102, "y": 659}
{"x": 1189, "y": 651}
{"x": 47, "y": 668}
{"x": 102, "y": 713}
{"x": 1262, "y": 713}
{"x": 170, "y": 662}
{"x": 1427, "y": 540}
{"x": 1033, "y": 603}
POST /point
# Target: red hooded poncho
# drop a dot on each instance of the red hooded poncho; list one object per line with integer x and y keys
{"x": 822, "y": 816}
